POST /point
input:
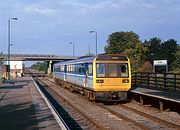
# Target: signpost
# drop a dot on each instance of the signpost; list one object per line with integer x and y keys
{"x": 161, "y": 66}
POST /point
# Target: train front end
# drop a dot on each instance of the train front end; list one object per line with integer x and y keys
{"x": 112, "y": 77}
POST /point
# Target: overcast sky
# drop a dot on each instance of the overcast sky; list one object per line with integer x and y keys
{"x": 47, "y": 26}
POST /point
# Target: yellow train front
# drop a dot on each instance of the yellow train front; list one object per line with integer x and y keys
{"x": 105, "y": 77}
{"x": 112, "y": 77}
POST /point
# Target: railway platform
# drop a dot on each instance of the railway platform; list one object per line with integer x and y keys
{"x": 164, "y": 97}
{"x": 23, "y": 108}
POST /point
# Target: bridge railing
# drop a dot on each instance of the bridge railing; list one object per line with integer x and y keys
{"x": 35, "y": 57}
{"x": 169, "y": 81}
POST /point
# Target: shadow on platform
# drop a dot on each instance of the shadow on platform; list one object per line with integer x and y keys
{"x": 18, "y": 117}
{"x": 13, "y": 86}
{"x": 23, "y": 117}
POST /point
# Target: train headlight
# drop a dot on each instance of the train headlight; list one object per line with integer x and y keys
{"x": 99, "y": 81}
{"x": 125, "y": 81}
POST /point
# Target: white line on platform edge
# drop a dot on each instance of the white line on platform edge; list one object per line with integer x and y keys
{"x": 54, "y": 112}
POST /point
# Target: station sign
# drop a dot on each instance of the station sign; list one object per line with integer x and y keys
{"x": 160, "y": 62}
{"x": 160, "y": 66}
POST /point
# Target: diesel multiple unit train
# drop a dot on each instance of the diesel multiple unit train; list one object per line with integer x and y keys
{"x": 104, "y": 77}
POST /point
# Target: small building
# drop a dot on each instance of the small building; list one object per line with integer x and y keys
{"x": 16, "y": 68}
{"x": 3, "y": 72}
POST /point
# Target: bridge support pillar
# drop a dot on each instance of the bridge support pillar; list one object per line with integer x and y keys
{"x": 50, "y": 67}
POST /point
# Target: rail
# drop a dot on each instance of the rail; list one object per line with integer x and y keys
{"x": 170, "y": 81}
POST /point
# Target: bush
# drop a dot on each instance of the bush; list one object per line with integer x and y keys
{"x": 147, "y": 67}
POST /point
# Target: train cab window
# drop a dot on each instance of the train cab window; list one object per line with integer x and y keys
{"x": 109, "y": 70}
{"x": 112, "y": 70}
{"x": 123, "y": 70}
{"x": 100, "y": 70}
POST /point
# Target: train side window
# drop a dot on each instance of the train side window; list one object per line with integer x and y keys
{"x": 82, "y": 69}
{"x": 62, "y": 68}
{"x": 100, "y": 70}
{"x": 90, "y": 70}
{"x": 56, "y": 68}
{"x": 68, "y": 68}
{"x": 73, "y": 68}
{"x": 78, "y": 68}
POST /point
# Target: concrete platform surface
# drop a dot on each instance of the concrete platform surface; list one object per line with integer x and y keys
{"x": 23, "y": 108}
{"x": 162, "y": 94}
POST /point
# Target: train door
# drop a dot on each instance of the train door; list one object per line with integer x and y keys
{"x": 86, "y": 75}
{"x": 65, "y": 74}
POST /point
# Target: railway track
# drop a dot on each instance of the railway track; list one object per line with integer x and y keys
{"x": 70, "y": 113}
{"x": 139, "y": 119}
{"x": 147, "y": 122}
{"x": 151, "y": 117}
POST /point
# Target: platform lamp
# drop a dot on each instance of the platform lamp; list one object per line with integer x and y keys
{"x": 73, "y": 48}
{"x": 9, "y": 44}
{"x": 95, "y": 38}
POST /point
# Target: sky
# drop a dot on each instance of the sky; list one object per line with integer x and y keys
{"x": 48, "y": 26}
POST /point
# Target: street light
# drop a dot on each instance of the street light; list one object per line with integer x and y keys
{"x": 73, "y": 48}
{"x": 95, "y": 38}
{"x": 9, "y": 43}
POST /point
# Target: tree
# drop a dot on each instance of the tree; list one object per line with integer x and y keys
{"x": 127, "y": 43}
{"x": 119, "y": 41}
{"x": 147, "y": 67}
{"x": 168, "y": 50}
{"x": 158, "y": 50}
{"x": 176, "y": 63}
{"x": 40, "y": 66}
{"x": 153, "y": 46}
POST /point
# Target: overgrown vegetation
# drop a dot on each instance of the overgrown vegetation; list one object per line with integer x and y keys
{"x": 40, "y": 66}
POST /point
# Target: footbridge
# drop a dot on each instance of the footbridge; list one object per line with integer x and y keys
{"x": 51, "y": 59}
{"x": 34, "y": 57}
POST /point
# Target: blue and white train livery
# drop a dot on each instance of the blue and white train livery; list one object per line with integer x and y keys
{"x": 102, "y": 77}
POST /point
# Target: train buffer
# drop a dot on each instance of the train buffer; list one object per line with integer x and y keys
{"x": 164, "y": 98}
{"x": 22, "y": 107}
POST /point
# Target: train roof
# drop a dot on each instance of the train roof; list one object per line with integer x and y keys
{"x": 80, "y": 60}
{"x": 100, "y": 57}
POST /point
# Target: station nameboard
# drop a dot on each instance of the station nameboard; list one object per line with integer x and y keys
{"x": 160, "y": 66}
{"x": 160, "y": 62}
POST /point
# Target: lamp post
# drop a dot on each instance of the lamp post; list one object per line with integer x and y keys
{"x": 89, "y": 50}
{"x": 95, "y": 38}
{"x": 73, "y": 48}
{"x": 9, "y": 43}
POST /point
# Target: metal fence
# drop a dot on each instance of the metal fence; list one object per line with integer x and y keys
{"x": 156, "y": 80}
